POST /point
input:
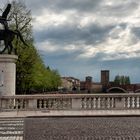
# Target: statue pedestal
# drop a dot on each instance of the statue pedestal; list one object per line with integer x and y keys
{"x": 7, "y": 74}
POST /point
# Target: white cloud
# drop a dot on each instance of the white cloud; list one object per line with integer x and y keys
{"x": 120, "y": 44}
{"x": 96, "y": 30}
{"x": 46, "y": 47}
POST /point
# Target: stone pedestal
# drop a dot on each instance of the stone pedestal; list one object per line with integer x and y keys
{"x": 7, "y": 74}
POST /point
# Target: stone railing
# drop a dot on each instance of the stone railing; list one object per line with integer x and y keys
{"x": 71, "y": 102}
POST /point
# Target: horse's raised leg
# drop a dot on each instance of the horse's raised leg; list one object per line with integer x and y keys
{"x": 10, "y": 48}
{"x": 5, "y": 48}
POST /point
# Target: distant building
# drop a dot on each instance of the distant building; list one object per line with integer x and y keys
{"x": 97, "y": 87}
{"x": 70, "y": 83}
{"x": 105, "y": 85}
{"x": 65, "y": 84}
{"x": 89, "y": 86}
{"x": 105, "y": 77}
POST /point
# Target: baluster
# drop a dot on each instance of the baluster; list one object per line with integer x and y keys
{"x": 25, "y": 103}
{"x": 57, "y": 103}
{"x": 61, "y": 103}
{"x": 99, "y": 102}
{"x": 94, "y": 102}
{"x": 87, "y": 103}
{"x": 40, "y": 103}
{"x": 21, "y": 104}
{"x": 64, "y": 103}
{"x": 103, "y": 103}
{"x": 108, "y": 102}
{"x": 70, "y": 103}
{"x": 49, "y": 103}
{"x": 16, "y": 103}
{"x": 137, "y": 102}
{"x": 91, "y": 103}
{"x": 128, "y": 102}
{"x": 112, "y": 102}
{"x": 133, "y": 102}
{"x": 53, "y": 106}
{"x": 45, "y": 104}
{"x": 125, "y": 102}
{"x": 10, "y": 104}
{"x": 83, "y": 103}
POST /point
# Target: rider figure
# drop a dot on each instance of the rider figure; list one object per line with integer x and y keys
{"x": 3, "y": 18}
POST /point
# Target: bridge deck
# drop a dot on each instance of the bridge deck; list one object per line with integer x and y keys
{"x": 11, "y": 128}
{"x": 134, "y": 112}
{"x": 12, "y": 123}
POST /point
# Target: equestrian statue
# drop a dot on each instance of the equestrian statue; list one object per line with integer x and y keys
{"x": 7, "y": 35}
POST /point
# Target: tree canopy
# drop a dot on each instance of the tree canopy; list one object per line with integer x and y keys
{"x": 31, "y": 75}
{"x": 122, "y": 80}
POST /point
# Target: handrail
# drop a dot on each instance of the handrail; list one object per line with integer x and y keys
{"x": 71, "y": 95}
{"x": 106, "y": 101}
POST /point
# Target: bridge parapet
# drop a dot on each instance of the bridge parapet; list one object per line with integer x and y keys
{"x": 70, "y": 102}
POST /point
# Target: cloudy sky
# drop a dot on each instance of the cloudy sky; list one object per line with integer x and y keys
{"x": 82, "y": 37}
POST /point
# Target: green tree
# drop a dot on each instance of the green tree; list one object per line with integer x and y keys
{"x": 117, "y": 80}
{"x": 127, "y": 80}
{"x": 122, "y": 80}
{"x": 32, "y": 74}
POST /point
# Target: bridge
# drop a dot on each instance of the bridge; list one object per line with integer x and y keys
{"x": 135, "y": 88}
{"x": 15, "y": 111}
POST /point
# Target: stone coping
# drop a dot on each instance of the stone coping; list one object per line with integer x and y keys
{"x": 8, "y": 58}
{"x": 70, "y": 95}
{"x": 69, "y": 113}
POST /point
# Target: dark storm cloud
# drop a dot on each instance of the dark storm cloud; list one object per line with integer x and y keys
{"x": 69, "y": 67}
{"x": 69, "y": 34}
{"x": 61, "y": 5}
{"x": 125, "y": 8}
{"x": 136, "y": 31}
{"x": 115, "y": 17}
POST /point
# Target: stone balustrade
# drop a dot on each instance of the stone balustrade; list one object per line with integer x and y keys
{"x": 71, "y": 102}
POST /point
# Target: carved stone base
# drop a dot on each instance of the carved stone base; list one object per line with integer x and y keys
{"x": 7, "y": 74}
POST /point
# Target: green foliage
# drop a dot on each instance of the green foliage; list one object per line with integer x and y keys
{"x": 32, "y": 74}
{"x": 122, "y": 80}
{"x": 117, "y": 80}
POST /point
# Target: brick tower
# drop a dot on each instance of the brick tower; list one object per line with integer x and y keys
{"x": 105, "y": 77}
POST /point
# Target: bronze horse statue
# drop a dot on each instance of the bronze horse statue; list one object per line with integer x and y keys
{"x": 7, "y": 35}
